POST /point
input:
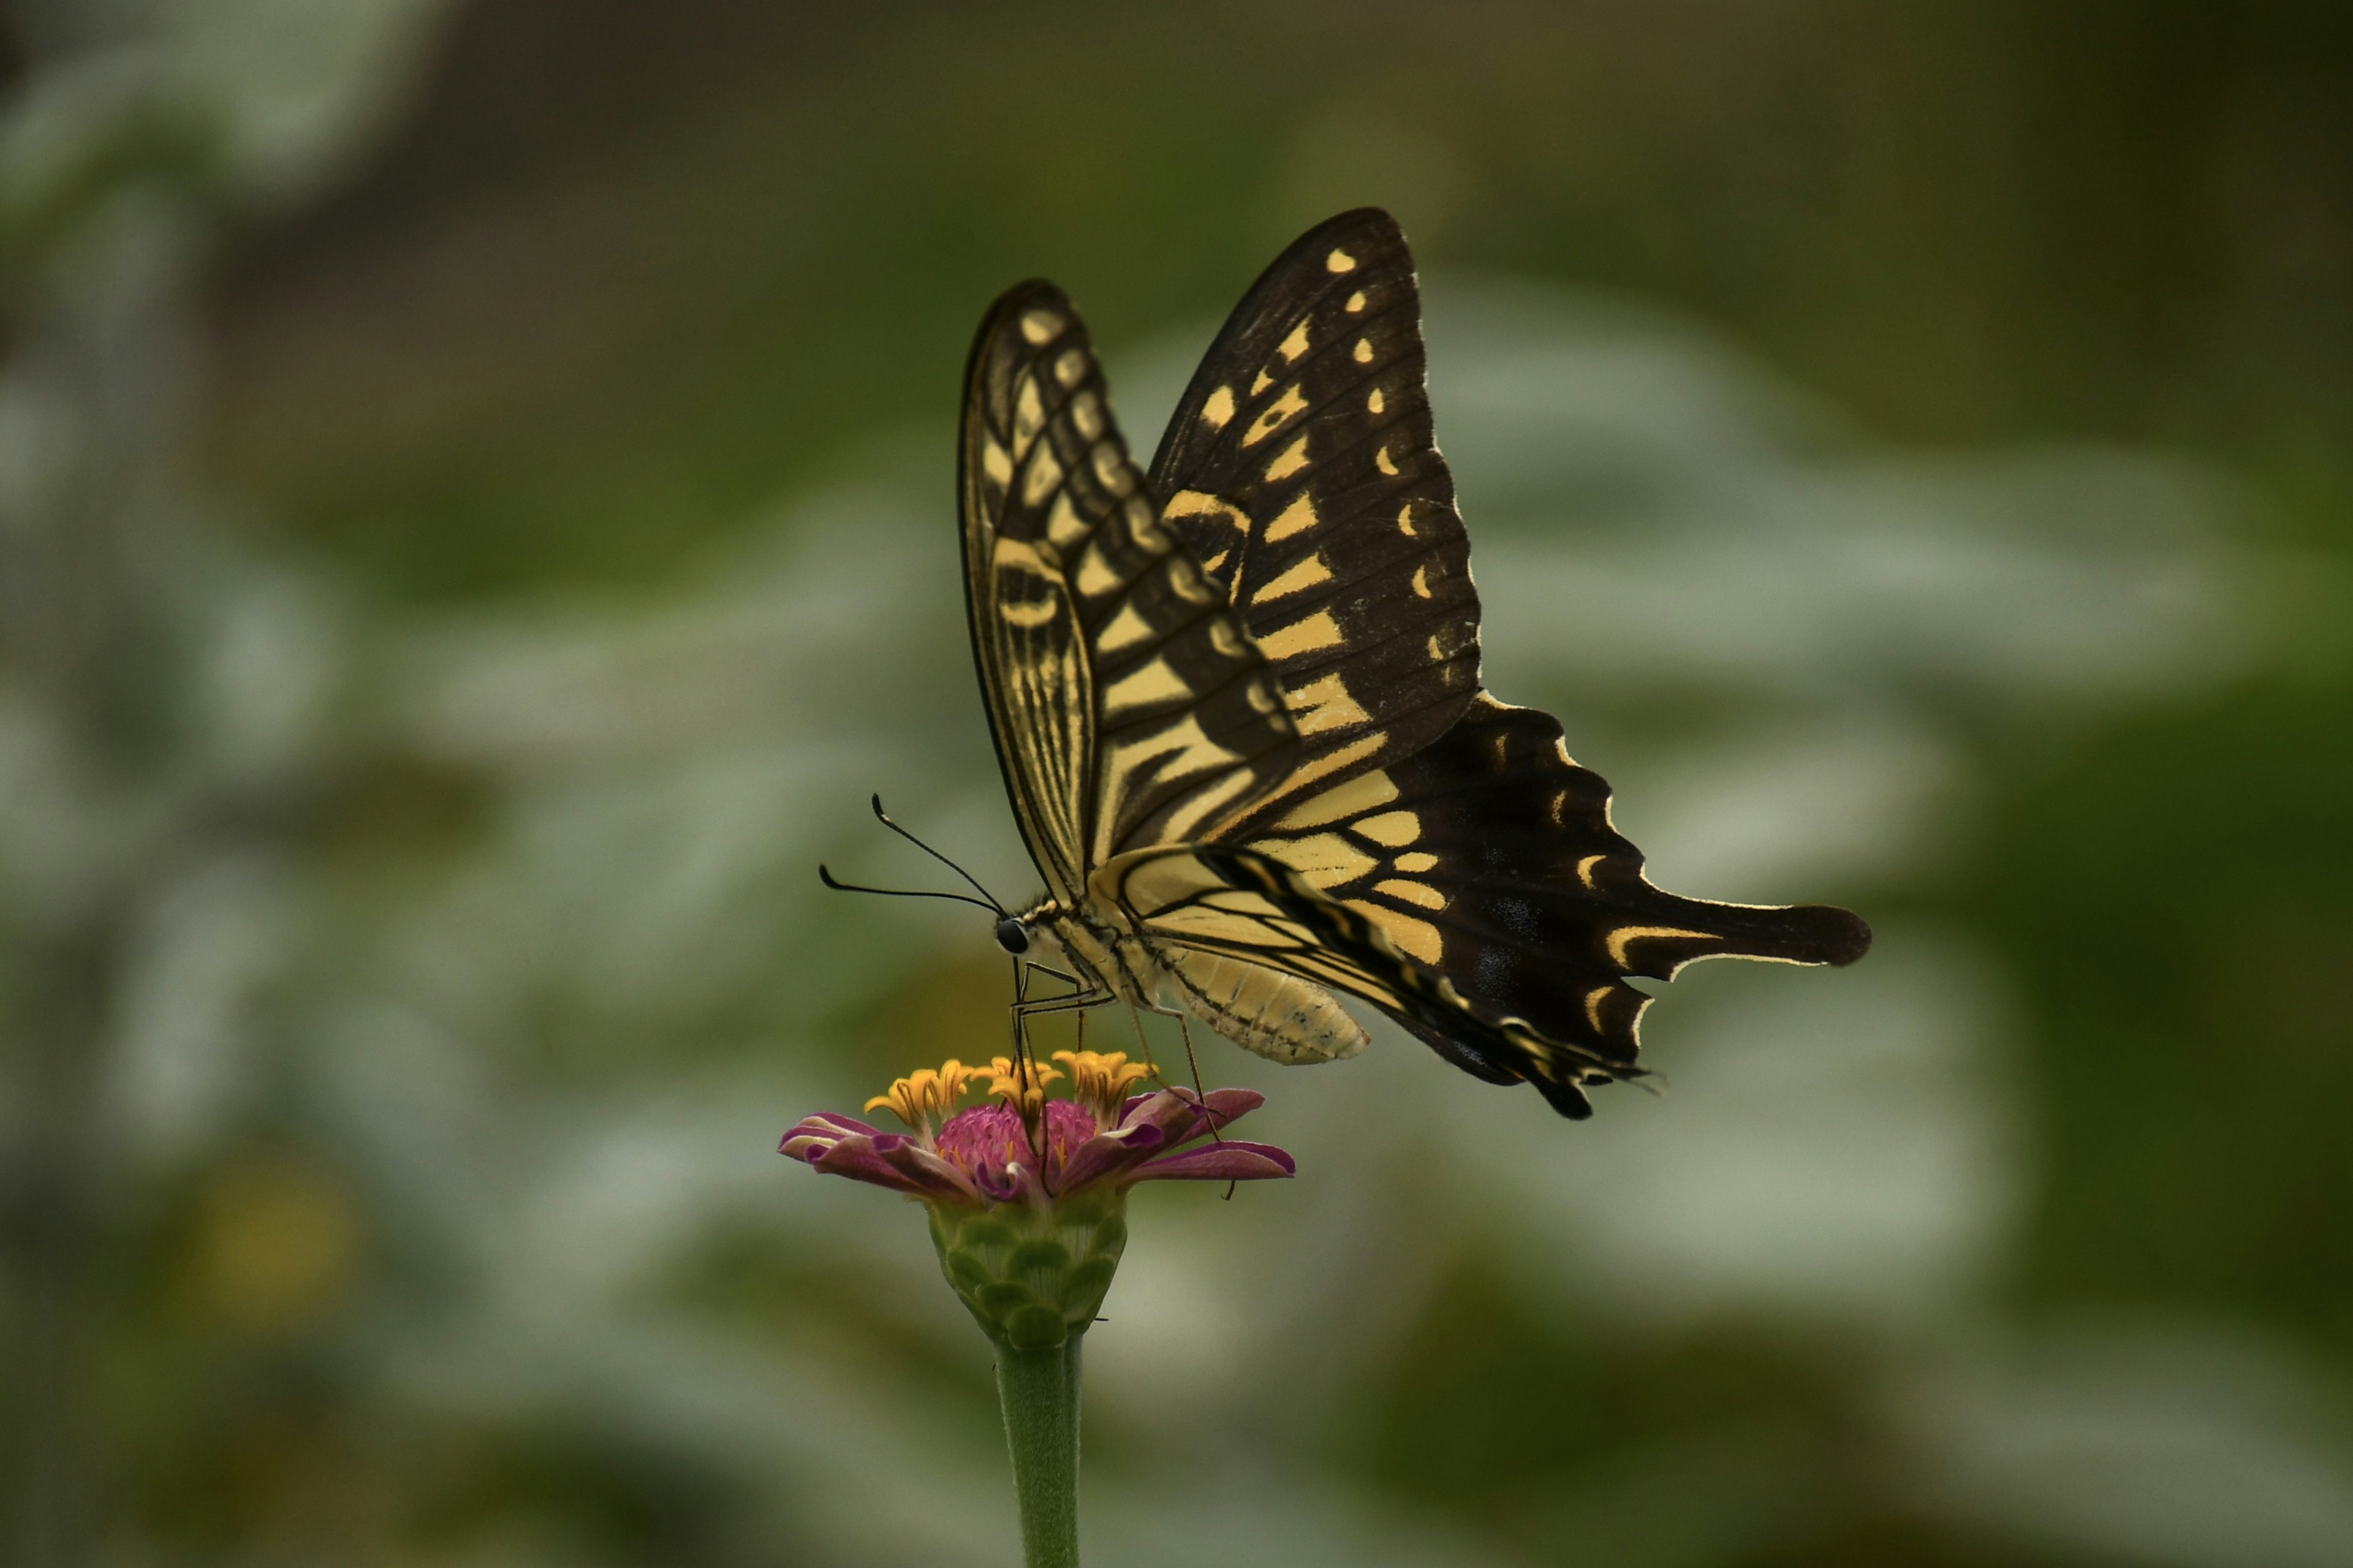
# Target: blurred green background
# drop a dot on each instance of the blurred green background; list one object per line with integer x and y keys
{"x": 475, "y": 524}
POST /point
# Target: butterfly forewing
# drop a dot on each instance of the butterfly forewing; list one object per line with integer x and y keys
{"x": 1127, "y": 704}
{"x": 1301, "y": 470}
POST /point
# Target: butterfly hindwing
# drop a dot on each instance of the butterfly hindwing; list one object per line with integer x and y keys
{"x": 1301, "y": 470}
{"x": 1127, "y": 705}
{"x": 1241, "y": 904}
{"x": 1489, "y": 858}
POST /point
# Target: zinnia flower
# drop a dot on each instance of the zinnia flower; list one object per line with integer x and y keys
{"x": 1028, "y": 1196}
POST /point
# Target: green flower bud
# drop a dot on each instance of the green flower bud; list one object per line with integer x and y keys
{"x": 1033, "y": 1275}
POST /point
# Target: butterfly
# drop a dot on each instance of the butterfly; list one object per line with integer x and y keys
{"x": 1235, "y": 700}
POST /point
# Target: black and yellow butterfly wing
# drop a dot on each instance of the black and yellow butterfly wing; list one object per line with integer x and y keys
{"x": 1127, "y": 704}
{"x": 1488, "y": 859}
{"x": 1241, "y": 904}
{"x": 1299, "y": 467}
{"x": 1302, "y": 466}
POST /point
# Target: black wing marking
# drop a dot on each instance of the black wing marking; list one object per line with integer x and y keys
{"x": 1301, "y": 470}
{"x": 1489, "y": 857}
{"x": 1237, "y": 902}
{"x": 1127, "y": 705}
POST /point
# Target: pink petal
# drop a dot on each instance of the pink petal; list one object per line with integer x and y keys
{"x": 823, "y": 1129}
{"x": 1231, "y": 1105}
{"x": 898, "y": 1163}
{"x": 1108, "y": 1154}
{"x": 1179, "y": 1113}
{"x": 1228, "y": 1161}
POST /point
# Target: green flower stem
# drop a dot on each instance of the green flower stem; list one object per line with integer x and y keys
{"x": 1039, "y": 1390}
{"x": 1033, "y": 1276}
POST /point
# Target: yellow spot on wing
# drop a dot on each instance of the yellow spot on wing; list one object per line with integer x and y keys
{"x": 1593, "y": 1000}
{"x": 1391, "y": 827}
{"x": 1375, "y": 403}
{"x": 1189, "y": 751}
{"x": 1338, "y": 261}
{"x": 1417, "y": 938}
{"x": 1190, "y": 585}
{"x": 1198, "y": 503}
{"x": 1111, "y": 469}
{"x": 1144, "y": 526}
{"x": 1028, "y": 415}
{"x": 1323, "y": 767}
{"x": 1281, "y": 408}
{"x": 1039, "y": 326}
{"x": 1355, "y": 301}
{"x": 1325, "y": 703}
{"x": 1064, "y": 527}
{"x": 1405, "y": 513}
{"x": 1382, "y": 461}
{"x": 1296, "y": 518}
{"x": 1260, "y": 383}
{"x": 1305, "y": 575}
{"x": 1039, "y": 475}
{"x": 1072, "y": 368}
{"x": 1087, "y": 413}
{"x": 1126, "y": 629}
{"x": 1196, "y": 808}
{"x": 995, "y": 462}
{"x": 1360, "y": 794}
{"x": 1584, "y": 869}
{"x": 1364, "y": 351}
{"x": 1415, "y": 861}
{"x": 1095, "y": 576}
{"x": 1421, "y": 580}
{"x": 1295, "y": 344}
{"x": 1313, "y": 634}
{"x": 1325, "y": 859}
{"x": 1028, "y": 614}
{"x": 1218, "y": 408}
{"x": 1625, "y": 935}
{"x": 1147, "y": 687}
{"x": 1293, "y": 458}
{"x": 1407, "y": 892}
{"x": 1017, "y": 555}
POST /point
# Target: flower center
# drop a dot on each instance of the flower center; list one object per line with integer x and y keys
{"x": 990, "y": 1137}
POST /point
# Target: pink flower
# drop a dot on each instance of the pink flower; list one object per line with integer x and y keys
{"x": 1035, "y": 1150}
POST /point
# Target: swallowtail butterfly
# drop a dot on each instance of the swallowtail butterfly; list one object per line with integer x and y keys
{"x": 1235, "y": 700}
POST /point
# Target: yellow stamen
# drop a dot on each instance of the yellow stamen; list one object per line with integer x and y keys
{"x": 1022, "y": 1087}
{"x": 923, "y": 1097}
{"x": 1100, "y": 1080}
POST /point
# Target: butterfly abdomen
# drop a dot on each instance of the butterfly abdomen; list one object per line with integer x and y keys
{"x": 1276, "y": 1015}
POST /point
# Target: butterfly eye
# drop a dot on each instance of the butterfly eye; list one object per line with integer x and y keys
{"x": 1011, "y": 936}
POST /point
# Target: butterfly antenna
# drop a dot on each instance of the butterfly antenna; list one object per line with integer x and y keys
{"x": 884, "y": 819}
{"x": 828, "y": 878}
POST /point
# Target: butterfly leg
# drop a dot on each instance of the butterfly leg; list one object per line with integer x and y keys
{"x": 1135, "y": 1011}
{"x": 1185, "y": 1028}
{"x": 1135, "y": 1015}
{"x": 1026, "y": 1007}
{"x": 1024, "y": 1003}
{"x": 1078, "y": 1002}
